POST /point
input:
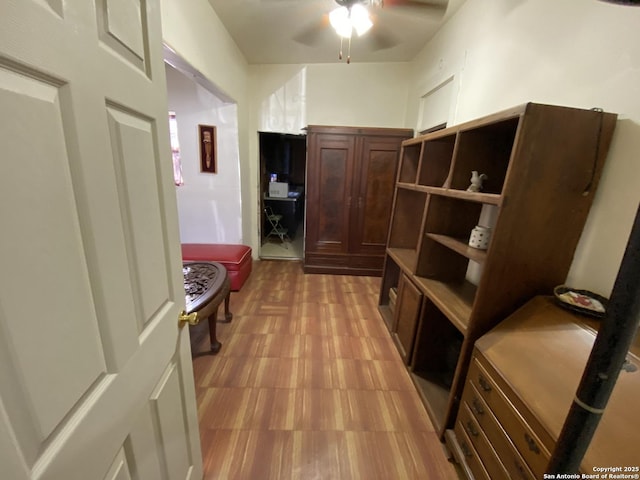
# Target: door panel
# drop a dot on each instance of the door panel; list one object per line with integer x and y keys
{"x": 374, "y": 186}
{"x": 49, "y": 238}
{"x": 329, "y": 188}
{"x": 93, "y": 366}
{"x": 132, "y": 145}
{"x": 333, "y": 197}
{"x": 121, "y": 29}
{"x": 407, "y": 313}
{"x": 166, "y": 401}
{"x": 119, "y": 469}
{"x": 136, "y": 445}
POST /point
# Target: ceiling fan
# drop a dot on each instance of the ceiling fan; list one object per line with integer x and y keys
{"x": 359, "y": 16}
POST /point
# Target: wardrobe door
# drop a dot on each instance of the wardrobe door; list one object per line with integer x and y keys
{"x": 376, "y": 160}
{"x": 329, "y": 199}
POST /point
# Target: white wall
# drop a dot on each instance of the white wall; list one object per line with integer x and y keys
{"x": 358, "y": 94}
{"x": 209, "y": 205}
{"x": 581, "y": 53}
{"x": 193, "y": 30}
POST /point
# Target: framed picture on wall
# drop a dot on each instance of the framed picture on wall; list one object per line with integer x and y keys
{"x": 207, "y": 138}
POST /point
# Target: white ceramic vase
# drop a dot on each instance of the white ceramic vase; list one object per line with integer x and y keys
{"x": 480, "y": 237}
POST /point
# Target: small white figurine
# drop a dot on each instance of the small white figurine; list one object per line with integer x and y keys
{"x": 476, "y": 181}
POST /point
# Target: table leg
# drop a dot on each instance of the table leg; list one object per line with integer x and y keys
{"x": 227, "y": 314}
{"x": 215, "y": 344}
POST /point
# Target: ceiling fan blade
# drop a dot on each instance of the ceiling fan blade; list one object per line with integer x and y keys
{"x": 382, "y": 38}
{"x": 313, "y": 33}
{"x": 419, "y": 6}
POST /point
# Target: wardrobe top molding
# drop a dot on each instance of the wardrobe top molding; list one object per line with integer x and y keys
{"x": 346, "y": 130}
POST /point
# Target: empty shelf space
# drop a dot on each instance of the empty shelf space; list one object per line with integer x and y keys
{"x": 435, "y": 359}
{"x": 436, "y": 161}
{"x": 453, "y": 299}
{"x": 409, "y": 162}
{"x": 460, "y": 246}
{"x": 435, "y": 396}
{"x": 406, "y": 221}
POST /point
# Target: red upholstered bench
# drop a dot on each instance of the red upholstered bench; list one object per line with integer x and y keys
{"x": 235, "y": 258}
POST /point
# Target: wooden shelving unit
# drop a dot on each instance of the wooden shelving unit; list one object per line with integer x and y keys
{"x": 543, "y": 164}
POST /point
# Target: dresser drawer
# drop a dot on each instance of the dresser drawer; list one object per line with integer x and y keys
{"x": 511, "y": 460}
{"x": 471, "y": 456}
{"x": 526, "y": 442}
{"x": 468, "y": 423}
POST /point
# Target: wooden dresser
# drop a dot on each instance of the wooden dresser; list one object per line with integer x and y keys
{"x": 521, "y": 382}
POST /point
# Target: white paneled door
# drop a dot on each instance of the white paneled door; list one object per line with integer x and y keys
{"x": 95, "y": 375}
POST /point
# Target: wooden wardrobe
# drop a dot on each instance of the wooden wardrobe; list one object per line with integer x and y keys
{"x": 350, "y": 183}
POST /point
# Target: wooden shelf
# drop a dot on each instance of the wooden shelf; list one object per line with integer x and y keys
{"x": 435, "y": 396}
{"x": 405, "y": 258}
{"x": 478, "y": 197}
{"x": 460, "y": 246}
{"x": 454, "y": 300}
{"x": 413, "y": 186}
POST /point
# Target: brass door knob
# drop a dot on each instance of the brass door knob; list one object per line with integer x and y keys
{"x": 191, "y": 318}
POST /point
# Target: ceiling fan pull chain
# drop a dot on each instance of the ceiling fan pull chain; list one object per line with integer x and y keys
{"x": 349, "y": 54}
{"x": 340, "y": 53}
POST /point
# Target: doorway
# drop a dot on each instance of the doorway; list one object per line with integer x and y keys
{"x": 283, "y": 165}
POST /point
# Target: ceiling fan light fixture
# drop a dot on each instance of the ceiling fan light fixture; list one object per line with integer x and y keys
{"x": 349, "y": 16}
{"x": 341, "y": 22}
{"x": 345, "y": 20}
{"x": 360, "y": 19}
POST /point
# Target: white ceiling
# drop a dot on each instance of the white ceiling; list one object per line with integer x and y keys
{"x": 297, "y": 31}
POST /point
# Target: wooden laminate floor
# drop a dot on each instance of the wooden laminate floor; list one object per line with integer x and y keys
{"x": 308, "y": 385}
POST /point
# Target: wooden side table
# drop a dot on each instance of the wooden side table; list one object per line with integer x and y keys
{"x": 206, "y": 285}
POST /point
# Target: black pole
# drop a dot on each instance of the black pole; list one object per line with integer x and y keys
{"x": 610, "y": 349}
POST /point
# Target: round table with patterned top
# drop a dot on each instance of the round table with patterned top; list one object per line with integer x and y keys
{"x": 206, "y": 285}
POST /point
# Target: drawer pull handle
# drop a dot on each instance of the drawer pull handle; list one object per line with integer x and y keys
{"x": 531, "y": 443}
{"x": 476, "y": 407}
{"x": 486, "y": 386}
{"x": 520, "y": 470}
{"x": 465, "y": 449}
{"x": 471, "y": 429}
